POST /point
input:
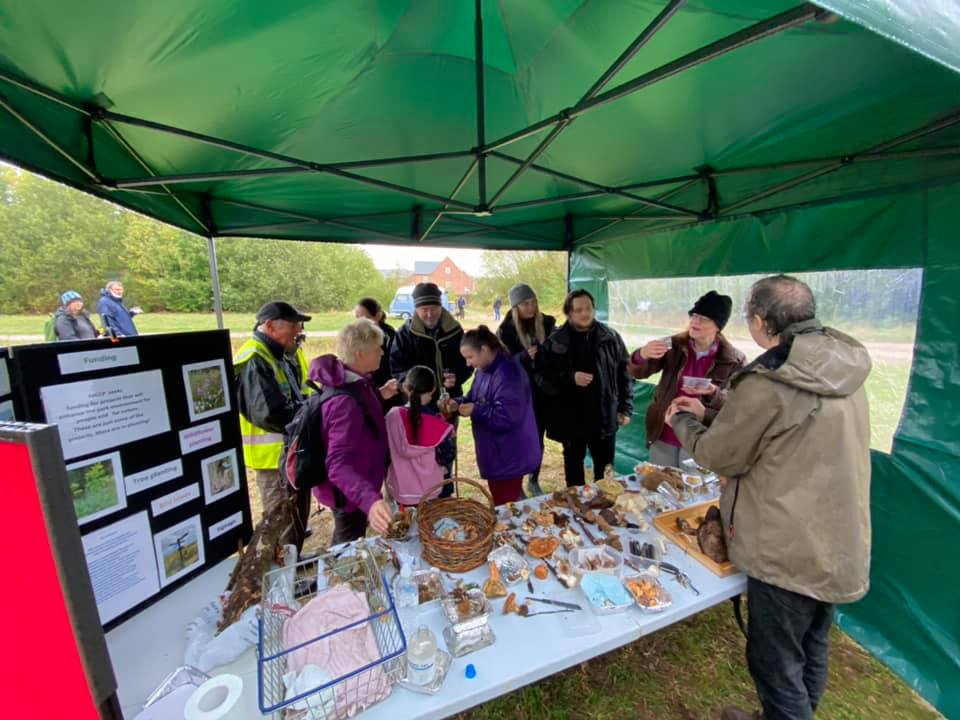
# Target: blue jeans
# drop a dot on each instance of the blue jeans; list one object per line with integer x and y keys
{"x": 787, "y": 649}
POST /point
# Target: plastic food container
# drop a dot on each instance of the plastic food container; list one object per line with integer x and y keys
{"x": 647, "y": 592}
{"x": 429, "y": 585}
{"x": 606, "y": 595}
{"x": 696, "y": 383}
{"x": 513, "y": 567}
{"x": 601, "y": 559}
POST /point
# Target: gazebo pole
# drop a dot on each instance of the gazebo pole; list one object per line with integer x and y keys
{"x": 215, "y": 281}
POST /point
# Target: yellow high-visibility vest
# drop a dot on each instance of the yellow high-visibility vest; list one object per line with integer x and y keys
{"x": 262, "y": 448}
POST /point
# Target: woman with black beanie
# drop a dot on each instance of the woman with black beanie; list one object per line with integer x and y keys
{"x": 686, "y": 359}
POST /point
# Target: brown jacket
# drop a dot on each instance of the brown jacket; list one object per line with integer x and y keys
{"x": 726, "y": 362}
{"x": 794, "y": 439}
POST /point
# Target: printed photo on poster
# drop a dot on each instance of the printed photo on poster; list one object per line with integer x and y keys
{"x": 179, "y": 550}
{"x": 206, "y": 387}
{"x": 6, "y": 411}
{"x": 220, "y": 475}
{"x": 96, "y": 486}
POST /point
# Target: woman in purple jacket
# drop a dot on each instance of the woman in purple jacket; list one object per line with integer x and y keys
{"x": 354, "y": 433}
{"x": 500, "y": 408}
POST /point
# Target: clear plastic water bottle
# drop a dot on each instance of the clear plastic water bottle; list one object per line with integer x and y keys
{"x": 405, "y": 590}
{"x": 421, "y": 656}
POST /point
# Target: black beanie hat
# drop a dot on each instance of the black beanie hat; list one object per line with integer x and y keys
{"x": 426, "y": 293}
{"x": 714, "y": 306}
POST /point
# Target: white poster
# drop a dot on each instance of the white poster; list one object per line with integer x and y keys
{"x": 179, "y": 550}
{"x": 91, "y": 360}
{"x": 146, "y": 479}
{"x": 122, "y": 566}
{"x": 175, "y": 499}
{"x": 225, "y": 525}
{"x": 96, "y": 485}
{"x": 108, "y": 412}
{"x": 220, "y": 475}
{"x": 199, "y": 437}
{"x": 206, "y": 386}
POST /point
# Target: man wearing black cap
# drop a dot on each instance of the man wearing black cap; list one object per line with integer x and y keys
{"x": 700, "y": 352}
{"x": 432, "y": 338}
{"x": 271, "y": 374}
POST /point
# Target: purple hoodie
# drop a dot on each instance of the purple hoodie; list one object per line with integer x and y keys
{"x": 356, "y": 445}
{"x": 504, "y": 426}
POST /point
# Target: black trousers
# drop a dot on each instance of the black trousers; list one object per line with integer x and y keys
{"x": 787, "y": 649}
{"x": 348, "y": 526}
{"x": 601, "y": 448}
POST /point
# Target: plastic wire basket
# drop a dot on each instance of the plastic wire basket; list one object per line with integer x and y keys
{"x": 340, "y": 697}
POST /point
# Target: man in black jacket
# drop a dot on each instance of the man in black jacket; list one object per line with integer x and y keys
{"x": 583, "y": 371}
{"x": 432, "y": 338}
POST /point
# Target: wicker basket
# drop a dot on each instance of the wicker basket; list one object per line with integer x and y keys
{"x": 456, "y": 555}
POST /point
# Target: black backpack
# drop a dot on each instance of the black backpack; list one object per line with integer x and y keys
{"x": 303, "y": 459}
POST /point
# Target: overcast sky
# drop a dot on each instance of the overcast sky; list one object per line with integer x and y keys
{"x": 388, "y": 257}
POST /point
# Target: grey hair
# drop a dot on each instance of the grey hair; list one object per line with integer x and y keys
{"x": 357, "y": 336}
{"x": 780, "y": 301}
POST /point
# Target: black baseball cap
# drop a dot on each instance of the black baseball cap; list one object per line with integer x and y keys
{"x": 279, "y": 310}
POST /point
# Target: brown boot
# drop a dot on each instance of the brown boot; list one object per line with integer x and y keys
{"x": 735, "y": 713}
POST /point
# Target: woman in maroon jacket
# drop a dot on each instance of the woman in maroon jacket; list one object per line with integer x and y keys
{"x": 700, "y": 352}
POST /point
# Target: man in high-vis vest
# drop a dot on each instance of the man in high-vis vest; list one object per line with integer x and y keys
{"x": 271, "y": 373}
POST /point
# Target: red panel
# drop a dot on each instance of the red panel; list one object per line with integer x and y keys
{"x": 44, "y": 674}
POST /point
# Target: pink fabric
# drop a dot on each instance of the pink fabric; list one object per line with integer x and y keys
{"x": 695, "y": 367}
{"x": 341, "y": 653}
{"x": 413, "y": 466}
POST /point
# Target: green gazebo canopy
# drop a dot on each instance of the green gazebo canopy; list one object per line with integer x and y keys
{"x": 360, "y": 121}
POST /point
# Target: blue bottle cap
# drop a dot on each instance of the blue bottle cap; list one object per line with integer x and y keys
{"x": 471, "y": 671}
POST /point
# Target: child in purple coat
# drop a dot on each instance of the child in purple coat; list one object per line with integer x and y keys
{"x": 500, "y": 407}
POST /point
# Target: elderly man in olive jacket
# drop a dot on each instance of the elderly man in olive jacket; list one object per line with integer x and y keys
{"x": 794, "y": 440}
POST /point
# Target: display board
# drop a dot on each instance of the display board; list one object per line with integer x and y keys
{"x": 151, "y": 443}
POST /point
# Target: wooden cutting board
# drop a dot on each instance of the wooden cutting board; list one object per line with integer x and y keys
{"x": 667, "y": 524}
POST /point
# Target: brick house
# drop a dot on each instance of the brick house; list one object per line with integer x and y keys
{"x": 445, "y": 274}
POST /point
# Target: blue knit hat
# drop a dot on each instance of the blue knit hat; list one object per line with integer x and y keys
{"x": 69, "y": 296}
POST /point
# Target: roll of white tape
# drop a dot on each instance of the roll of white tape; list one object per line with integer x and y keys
{"x": 214, "y": 699}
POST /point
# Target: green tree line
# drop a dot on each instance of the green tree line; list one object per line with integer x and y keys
{"x": 54, "y": 238}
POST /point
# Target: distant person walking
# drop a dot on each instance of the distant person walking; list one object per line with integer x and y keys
{"x": 116, "y": 317}
{"x": 72, "y": 321}
{"x": 497, "y": 304}
{"x": 461, "y": 307}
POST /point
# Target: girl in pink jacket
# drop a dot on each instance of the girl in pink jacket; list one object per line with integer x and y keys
{"x": 415, "y": 435}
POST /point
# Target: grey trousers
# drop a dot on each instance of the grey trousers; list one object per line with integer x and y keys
{"x": 667, "y": 455}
